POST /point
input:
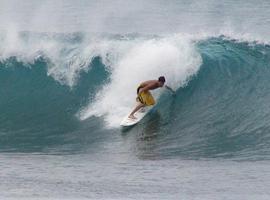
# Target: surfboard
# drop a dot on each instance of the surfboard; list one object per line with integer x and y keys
{"x": 139, "y": 115}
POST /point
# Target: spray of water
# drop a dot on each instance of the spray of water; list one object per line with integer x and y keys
{"x": 175, "y": 57}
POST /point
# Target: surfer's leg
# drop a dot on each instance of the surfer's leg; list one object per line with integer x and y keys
{"x": 138, "y": 107}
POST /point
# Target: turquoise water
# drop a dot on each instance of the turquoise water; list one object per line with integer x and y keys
{"x": 222, "y": 111}
{"x": 65, "y": 87}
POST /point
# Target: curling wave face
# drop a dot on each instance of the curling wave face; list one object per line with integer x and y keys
{"x": 58, "y": 87}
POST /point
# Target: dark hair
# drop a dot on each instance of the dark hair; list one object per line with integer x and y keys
{"x": 161, "y": 79}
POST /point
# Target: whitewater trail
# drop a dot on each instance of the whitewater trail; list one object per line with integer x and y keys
{"x": 175, "y": 58}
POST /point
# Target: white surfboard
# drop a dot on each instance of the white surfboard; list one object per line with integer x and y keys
{"x": 139, "y": 115}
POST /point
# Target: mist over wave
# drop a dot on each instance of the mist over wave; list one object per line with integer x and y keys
{"x": 144, "y": 17}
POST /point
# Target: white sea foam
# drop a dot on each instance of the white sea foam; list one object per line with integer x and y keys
{"x": 174, "y": 57}
{"x": 65, "y": 57}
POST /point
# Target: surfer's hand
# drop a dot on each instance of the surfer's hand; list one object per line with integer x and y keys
{"x": 171, "y": 90}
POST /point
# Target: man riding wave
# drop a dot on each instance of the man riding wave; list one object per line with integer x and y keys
{"x": 145, "y": 97}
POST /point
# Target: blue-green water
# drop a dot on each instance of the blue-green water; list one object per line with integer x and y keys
{"x": 64, "y": 93}
{"x": 222, "y": 111}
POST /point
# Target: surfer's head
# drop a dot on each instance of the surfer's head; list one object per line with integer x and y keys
{"x": 161, "y": 80}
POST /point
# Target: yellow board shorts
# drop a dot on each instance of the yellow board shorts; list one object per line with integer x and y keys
{"x": 146, "y": 98}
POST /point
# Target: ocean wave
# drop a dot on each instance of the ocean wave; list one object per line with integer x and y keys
{"x": 52, "y": 85}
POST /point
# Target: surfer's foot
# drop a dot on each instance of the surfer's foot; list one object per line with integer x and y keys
{"x": 132, "y": 117}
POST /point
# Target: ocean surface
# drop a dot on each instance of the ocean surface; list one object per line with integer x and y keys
{"x": 68, "y": 75}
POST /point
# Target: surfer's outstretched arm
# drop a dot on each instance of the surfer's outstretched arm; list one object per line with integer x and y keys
{"x": 168, "y": 88}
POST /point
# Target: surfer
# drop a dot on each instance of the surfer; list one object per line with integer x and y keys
{"x": 145, "y": 97}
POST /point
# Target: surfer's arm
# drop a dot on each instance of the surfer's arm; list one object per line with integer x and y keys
{"x": 146, "y": 88}
{"x": 168, "y": 88}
